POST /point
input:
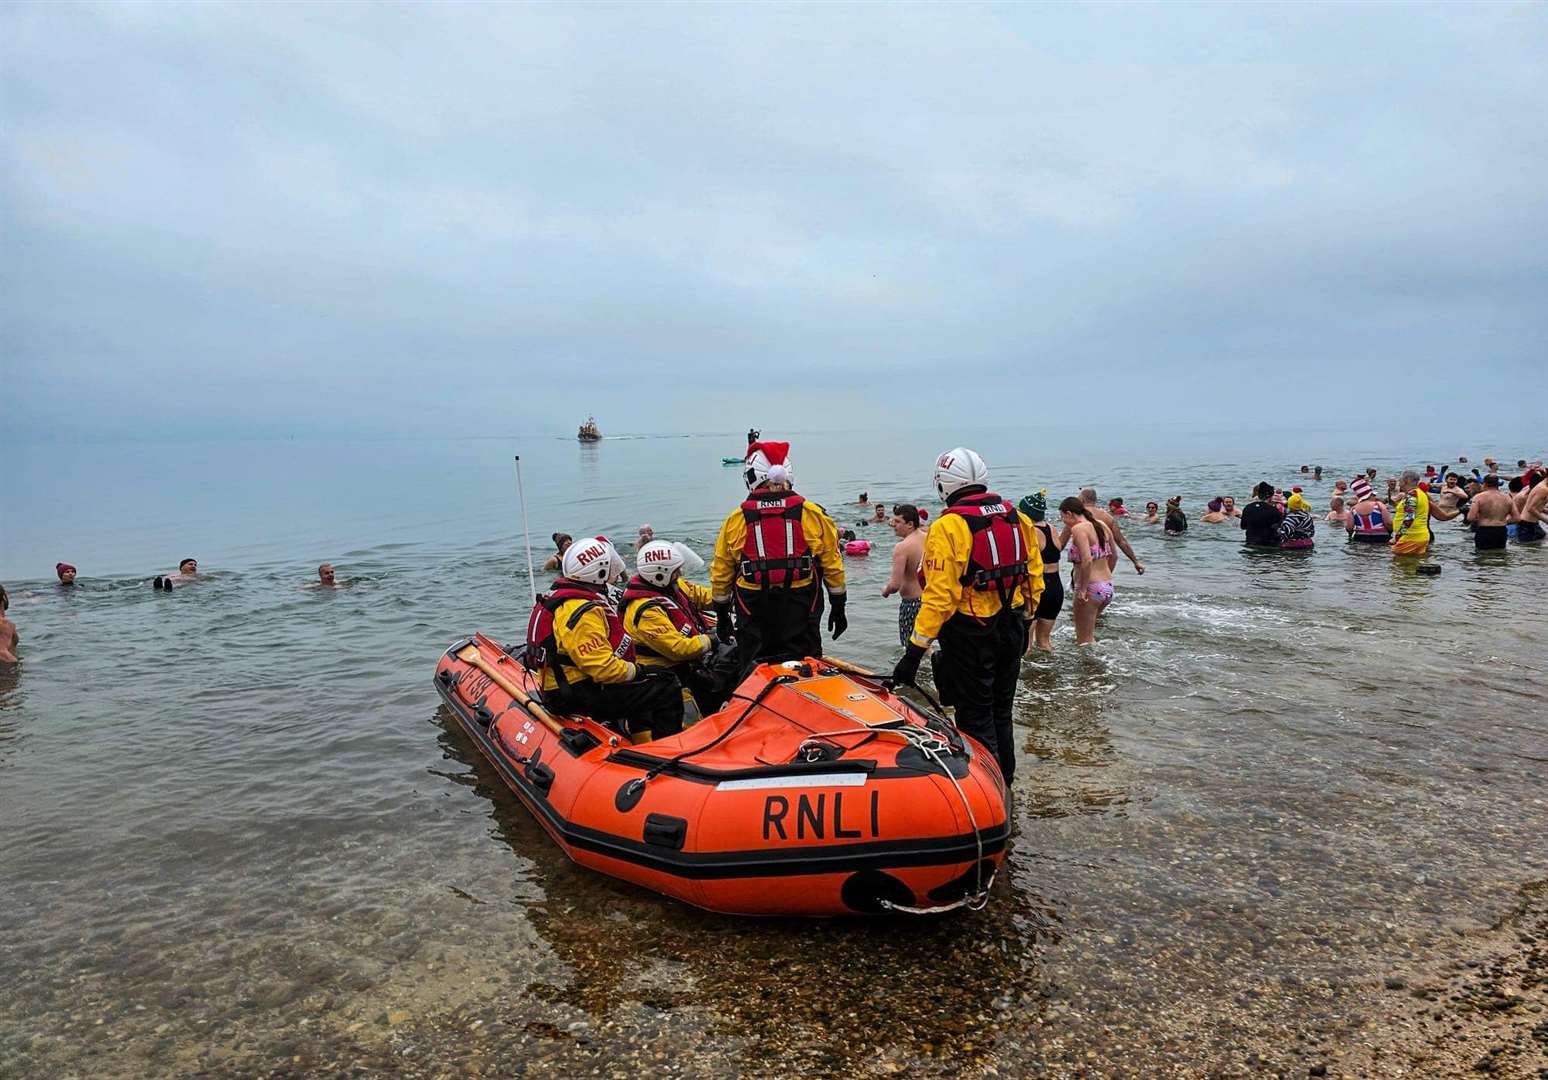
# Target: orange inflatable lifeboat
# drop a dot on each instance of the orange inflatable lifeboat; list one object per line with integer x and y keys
{"x": 815, "y": 791}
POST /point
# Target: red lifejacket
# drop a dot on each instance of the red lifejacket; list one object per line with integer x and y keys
{"x": 543, "y": 646}
{"x": 672, "y": 602}
{"x": 997, "y": 561}
{"x": 775, "y": 551}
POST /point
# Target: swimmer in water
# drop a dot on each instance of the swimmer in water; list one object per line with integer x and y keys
{"x": 9, "y": 639}
{"x": 1341, "y": 488}
{"x": 647, "y": 534}
{"x": 1316, "y": 472}
{"x": 881, "y": 515}
{"x": 562, "y": 542}
{"x": 1489, "y": 514}
{"x": 1228, "y": 507}
{"x": 1152, "y": 513}
{"x": 187, "y": 571}
{"x": 325, "y": 576}
{"x": 1214, "y": 513}
{"x": 864, "y": 499}
{"x": 66, "y": 573}
{"x": 1115, "y": 508}
{"x": 907, "y": 577}
{"x": 1176, "y": 520}
{"x": 1337, "y": 514}
{"x": 1533, "y": 514}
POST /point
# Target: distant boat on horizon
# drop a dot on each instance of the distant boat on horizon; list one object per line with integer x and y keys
{"x": 589, "y": 432}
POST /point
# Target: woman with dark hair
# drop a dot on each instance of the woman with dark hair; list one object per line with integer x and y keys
{"x": 1035, "y": 507}
{"x": 1090, "y": 546}
{"x": 1261, "y": 518}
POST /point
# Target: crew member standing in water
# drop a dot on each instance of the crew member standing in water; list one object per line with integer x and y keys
{"x": 576, "y": 638}
{"x": 664, "y": 613}
{"x": 983, "y": 580}
{"x": 769, "y": 557}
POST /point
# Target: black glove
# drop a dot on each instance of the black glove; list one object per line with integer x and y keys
{"x": 838, "y": 622}
{"x": 723, "y": 621}
{"x": 908, "y": 667}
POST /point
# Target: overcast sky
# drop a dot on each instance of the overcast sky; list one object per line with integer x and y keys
{"x": 282, "y": 219}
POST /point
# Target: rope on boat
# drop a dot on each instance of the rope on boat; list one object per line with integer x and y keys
{"x": 931, "y": 746}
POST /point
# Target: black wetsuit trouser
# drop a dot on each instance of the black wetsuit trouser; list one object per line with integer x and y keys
{"x": 976, "y": 671}
{"x": 652, "y": 703}
{"x": 1489, "y": 538}
{"x": 777, "y": 624}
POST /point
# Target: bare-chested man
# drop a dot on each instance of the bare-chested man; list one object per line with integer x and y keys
{"x": 907, "y": 557}
{"x": 1338, "y": 514}
{"x": 1533, "y": 514}
{"x": 1490, "y": 512}
{"x": 1089, "y": 498}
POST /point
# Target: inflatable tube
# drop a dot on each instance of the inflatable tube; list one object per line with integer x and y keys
{"x": 816, "y": 792}
{"x": 857, "y": 547}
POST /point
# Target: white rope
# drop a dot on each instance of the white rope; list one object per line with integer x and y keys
{"x": 930, "y": 745}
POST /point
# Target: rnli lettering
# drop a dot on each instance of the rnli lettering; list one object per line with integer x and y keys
{"x": 994, "y": 508}
{"x": 816, "y": 817}
{"x": 934, "y": 565}
{"x": 589, "y": 555}
{"x": 596, "y": 645}
{"x": 653, "y": 555}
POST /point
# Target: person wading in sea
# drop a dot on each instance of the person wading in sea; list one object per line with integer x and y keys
{"x": 983, "y": 581}
{"x": 1088, "y": 496}
{"x": 1035, "y": 509}
{"x": 774, "y": 555}
{"x": 907, "y": 579}
{"x": 1490, "y": 513}
{"x": 1411, "y": 510}
{"x": 1261, "y": 518}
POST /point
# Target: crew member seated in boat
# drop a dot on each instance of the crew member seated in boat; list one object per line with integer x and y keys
{"x": 664, "y": 613}
{"x": 769, "y": 557}
{"x": 576, "y": 638}
{"x": 983, "y": 571}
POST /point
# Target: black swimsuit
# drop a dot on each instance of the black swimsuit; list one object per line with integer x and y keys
{"x": 1052, "y": 601}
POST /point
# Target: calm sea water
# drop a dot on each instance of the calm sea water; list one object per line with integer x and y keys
{"x": 240, "y": 837}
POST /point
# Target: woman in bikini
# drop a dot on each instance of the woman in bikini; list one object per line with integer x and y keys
{"x": 1089, "y": 547}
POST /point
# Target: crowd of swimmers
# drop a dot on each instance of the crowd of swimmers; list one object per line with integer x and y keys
{"x": 979, "y": 585}
{"x": 1495, "y": 508}
{"x": 187, "y": 574}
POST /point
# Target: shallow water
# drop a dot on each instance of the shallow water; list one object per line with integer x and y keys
{"x": 240, "y": 835}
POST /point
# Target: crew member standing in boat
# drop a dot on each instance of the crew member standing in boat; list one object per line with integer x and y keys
{"x": 576, "y": 638}
{"x": 768, "y": 558}
{"x": 983, "y": 578}
{"x": 664, "y": 613}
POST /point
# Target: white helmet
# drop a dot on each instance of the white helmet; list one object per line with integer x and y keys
{"x": 768, "y": 461}
{"x": 595, "y": 561}
{"x": 659, "y": 560}
{"x": 957, "y": 469}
